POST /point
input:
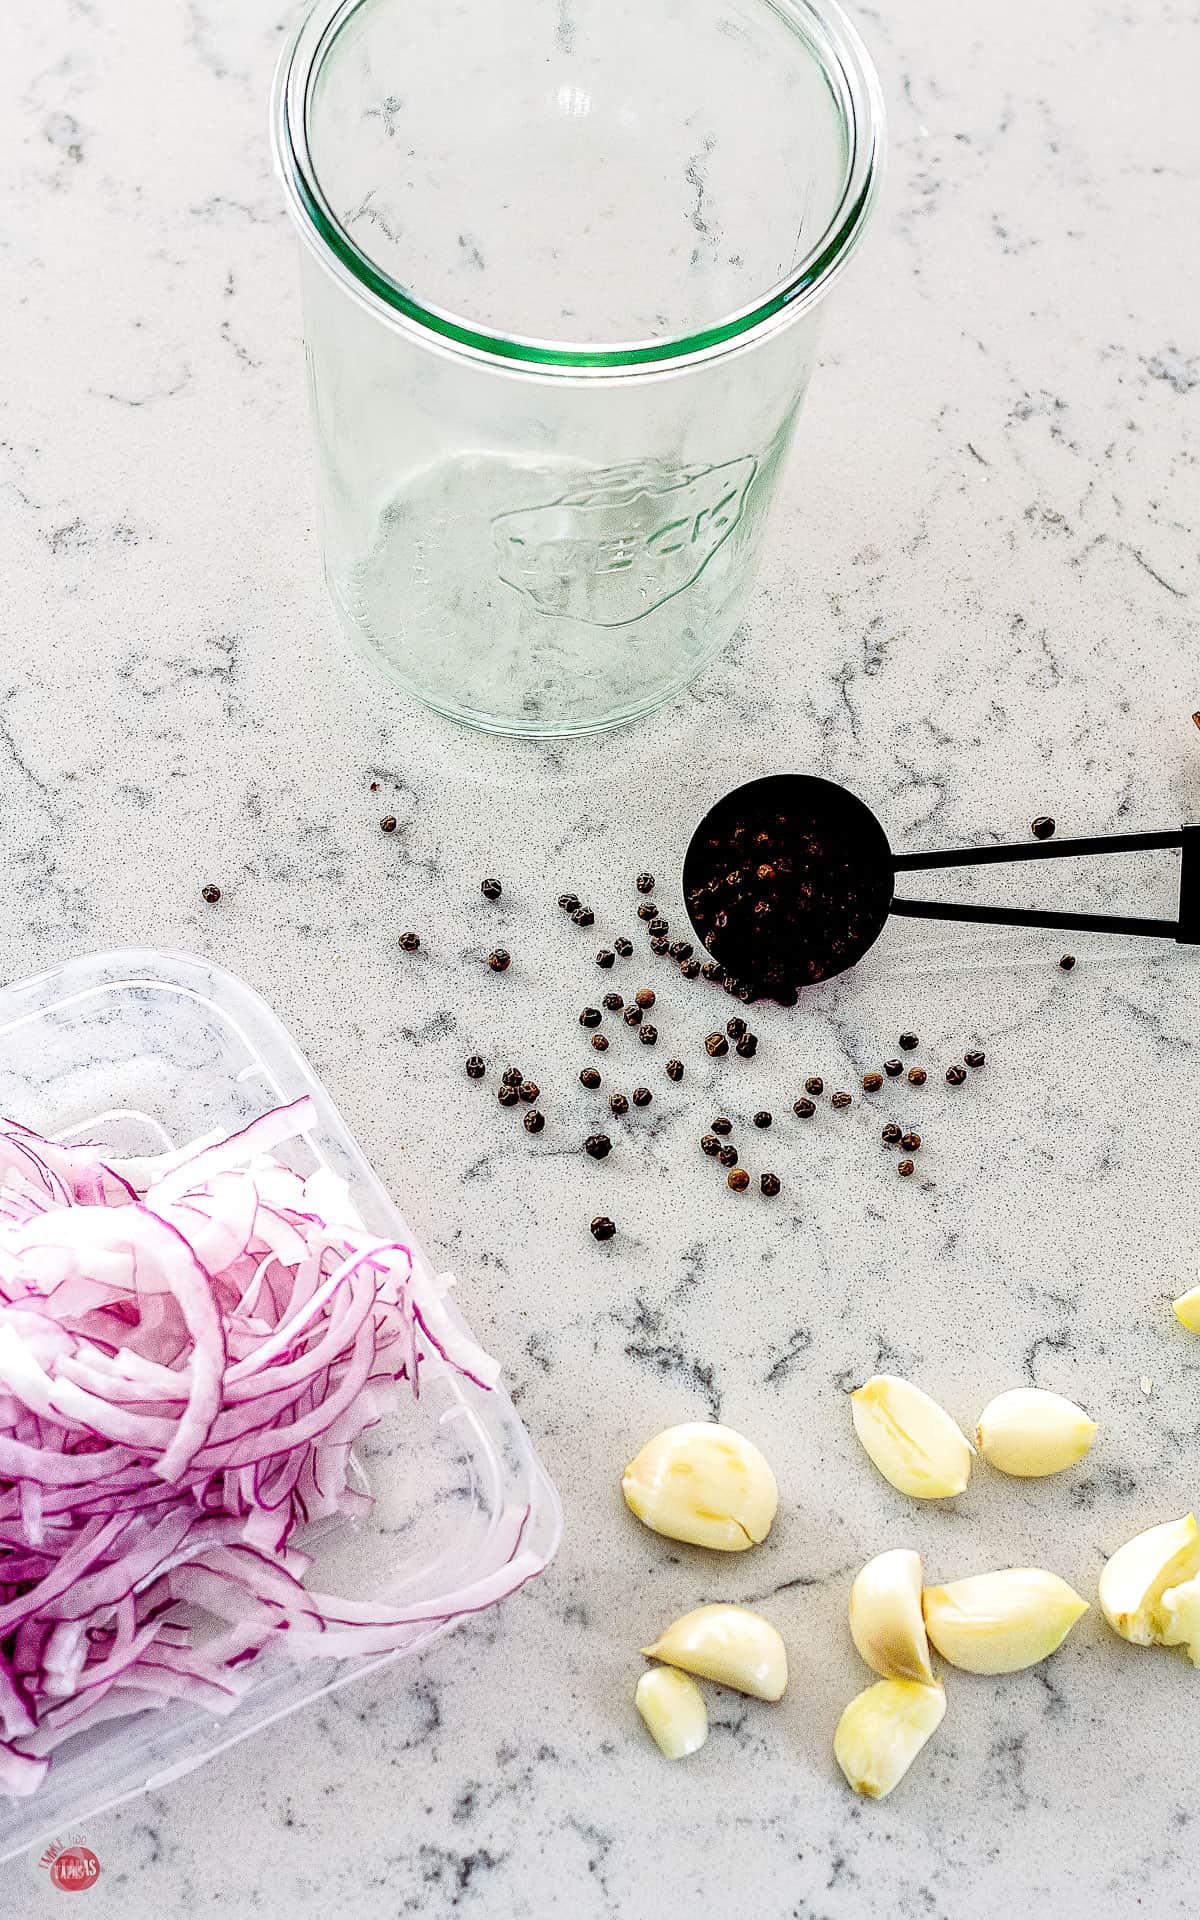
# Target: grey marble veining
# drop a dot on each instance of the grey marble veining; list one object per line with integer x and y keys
{"x": 980, "y": 604}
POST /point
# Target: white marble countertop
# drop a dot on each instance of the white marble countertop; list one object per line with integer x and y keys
{"x": 980, "y": 604}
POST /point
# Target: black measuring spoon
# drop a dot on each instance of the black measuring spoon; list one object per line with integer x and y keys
{"x": 790, "y": 879}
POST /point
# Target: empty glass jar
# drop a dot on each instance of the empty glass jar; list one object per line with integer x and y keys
{"x": 562, "y": 273}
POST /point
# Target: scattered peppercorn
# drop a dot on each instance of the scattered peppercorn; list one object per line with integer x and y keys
{"x": 747, "y": 1046}
{"x": 211, "y": 895}
{"x": 605, "y": 957}
{"x": 598, "y": 1145}
{"x": 736, "y": 1027}
{"x": 739, "y": 1180}
{"x": 584, "y": 917}
{"x": 910, "y": 1142}
{"x": 632, "y": 1015}
{"x": 590, "y": 1017}
{"x": 908, "y": 1041}
{"x": 674, "y": 1069}
{"x": 534, "y": 1121}
{"x": 410, "y": 942}
{"x": 645, "y": 883}
{"x": 508, "y": 1096}
{"x": 891, "y": 1134}
{"x": 624, "y": 947}
{"x": 804, "y": 1109}
{"x": 511, "y": 1077}
{"x": 659, "y": 927}
{"x": 645, "y": 996}
{"x": 681, "y": 949}
{"x": 893, "y": 1068}
{"x": 722, "y": 1125}
{"x": 589, "y": 1078}
{"x": 602, "y": 1228}
{"x": 872, "y": 1082}
{"x": 715, "y": 1044}
{"x": 388, "y": 823}
{"x": 475, "y": 1068}
{"x": 713, "y": 970}
{"x": 569, "y": 902}
{"x": 600, "y": 1042}
{"x": 905, "y": 1167}
{"x": 613, "y": 1002}
{"x": 690, "y": 969}
{"x": 769, "y": 1184}
{"x": 710, "y": 1145}
{"x": 499, "y": 959}
{"x": 618, "y": 1103}
{"x": 841, "y": 1101}
{"x": 642, "y": 1096}
{"x": 728, "y": 1156}
{"x": 917, "y": 1076}
{"x": 1067, "y": 962}
{"x": 490, "y": 889}
{"x": 659, "y": 944}
{"x": 975, "y": 1058}
{"x": 374, "y": 786}
{"x": 647, "y": 910}
{"x": 1043, "y": 827}
{"x": 762, "y": 1119}
{"x": 737, "y": 989}
{"x": 648, "y": 1035}
{"x": 815, "y": 1085}
{"x": 955, "y": 1076}
{"x": 529, "y": 1091}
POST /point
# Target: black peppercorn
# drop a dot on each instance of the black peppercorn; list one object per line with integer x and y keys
{"x": 713, "y": 970}
{"x": 211, "y": 895}
{"x": 891, "y": 1134}
{"x": 728, "y": 1156}
{"x": 475, "y": 1068}
{"x": 534, "y": 1121}
{"x": 739, "y": 1180}
{"x": 498, "y": 961}
{"x": 815, "y": 1085}
{"x": 804, "y": 1109}
{"x": 613, "y": 1002}
{"x": 618, "y": 1103}
{"x": 674, "y": 1069}
{"x": 602, "y": 1228}
{"x": 529, "y": 1091}
{"x": 598, "y": 1145}
{"x": 645, "y": 883}
{"x": 737, "y": 990}
{"x": 388, "y": 823}
{"x": 605, "y": 957}
{"x": 508, "y": 1096}
{"x": 736, "y": 1027}
{"x": 747, "y": 1046}
{"x": 762, "y": 1119}
{"x": 659, "y": 927}
{"x": 722, "y": 1125}
{"x": 1067, "y": 962}
{"x": 690, "y": 969}
{"x": 841, "y": 1101}
{"x": 632, "y": 1015}
{"x": 910, "y": 1142}
{"x": 872, "y": 1082}
{"x": 645, "y": 996}
{"x": 590, "y": 1017}
{"x": 681, "y": 949}
{"x": 975, "y": 1058}
{"x": 410, "y": 942}
{"x": 512, "y": 1077}
{"x": 905, "y": 1167}
{"x": 642, "y": 1096}
{"x": 589, "y": 1078}
{"x": 648, "y": 1035}
{"x": 600, "y": 1042}
{"x": 917, "y": 1076}
{"x": 893, "y": 1068}
{"x": 769, "y": 1184}
{"x": 647, "y": 910}
{"x": 908, "y": 1041}
{"x": 584, "y": 917}
{"x": 490, "y": 889}
{"x": 569, "y": 902}
{"x": 955, "y": 1076}
{"x": 624, "y": 947}
{"x": 659, "y": 945}
{"x": 715, "y": 1044}
{"x": 710, "y": 1145}
{"x": 1043, "y": 827}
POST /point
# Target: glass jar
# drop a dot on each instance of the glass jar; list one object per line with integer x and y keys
{"x": 562, "y": 270}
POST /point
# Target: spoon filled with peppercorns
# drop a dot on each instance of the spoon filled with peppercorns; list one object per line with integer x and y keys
{"x": 791, "y": 879}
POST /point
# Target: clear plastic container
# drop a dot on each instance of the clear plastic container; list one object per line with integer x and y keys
{"x": 144, "y": 1051}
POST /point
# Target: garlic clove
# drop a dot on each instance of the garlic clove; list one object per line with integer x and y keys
{"x": 914, "y": 1442}
{"x": 1135, "y": 1579}
{"x": 1001, "y": 1622}
{"x": 729, "y": 1644}
{"x": 1187, "y": 1309}
{"x": 883, "y": 1730}
{"x": 1179, "y": 1613}
{"x": 1030, "y": 1432}
{"x": 673, "y": 1709}
{"x": 705, "y": 1484}
{"x": 886, "y": 1622}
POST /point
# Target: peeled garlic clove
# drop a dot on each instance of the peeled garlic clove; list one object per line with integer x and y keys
{"x": 914, "y": 1442}
{"x": 883, "y": 1730}
{"x": 705, "y": 1484}
{"x": 729, "y": 1644}
{"x": 1001, "y": 1622}
{"x": 1134, "y": 1581}
{"x": 1187, "y": 1309}
{"x": 1031, "y": 1432}
{"x": 886, "y": 1622}
{"x": 673, "y": 1709}
{"x": 1179, "y": 1612}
